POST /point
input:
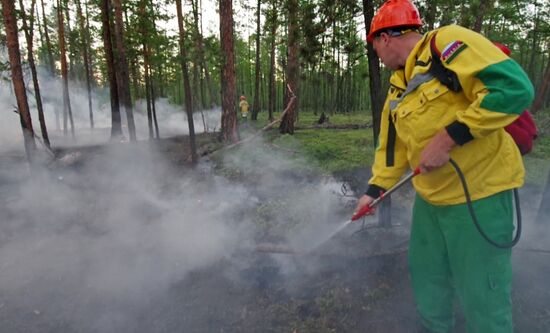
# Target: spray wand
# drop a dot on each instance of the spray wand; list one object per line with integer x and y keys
{"x": 370, "y": 207}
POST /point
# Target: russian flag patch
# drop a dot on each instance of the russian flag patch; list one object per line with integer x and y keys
{"x": 452, "y": 50}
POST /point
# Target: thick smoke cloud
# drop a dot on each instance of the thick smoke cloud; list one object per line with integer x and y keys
{"x": 84, "y": 245}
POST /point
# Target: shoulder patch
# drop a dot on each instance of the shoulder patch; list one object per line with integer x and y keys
{"x": 452, "y": 50}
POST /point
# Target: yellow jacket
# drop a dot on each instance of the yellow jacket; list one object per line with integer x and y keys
{"x": 495, "y": 90}
{"x": 244, "y": 106}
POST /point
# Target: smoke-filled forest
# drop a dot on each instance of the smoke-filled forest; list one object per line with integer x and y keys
{"x": 192, "y": 166}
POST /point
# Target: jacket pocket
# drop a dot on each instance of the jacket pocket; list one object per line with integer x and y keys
{"x": 425, "y": 111}
{"x": 423, "y": 99}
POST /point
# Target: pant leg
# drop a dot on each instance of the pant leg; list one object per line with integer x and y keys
{"x": 482, "y": 272}
{"x": 430, "y": 272}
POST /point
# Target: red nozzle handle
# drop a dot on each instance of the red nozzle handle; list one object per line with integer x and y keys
{"x": 370, "y": 208}
{"x": 362, "y": 212}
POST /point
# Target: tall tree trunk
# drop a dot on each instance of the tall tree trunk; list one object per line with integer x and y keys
{"x": 10, "y": 24}
{"x": 272, "y": 97}
{"x": 51, "y": 63}
{"x": 229, "y": 133}
{"x": 42, "y": 55}
{"x": 71, "y": 44}
{"x": 287, "y": 123}
{"x": 534, "y": 45}
{"x": 377, "y": 102}
{"x": 272, "y": 39}
{"x": 197, "y": 88}
{"x": 200, "y": 52}
{"x": 89, "y": 39}
{"x": 123, "y": 76}
{"x": 256, "y": 104}
{"x": 135, "y": 77}
{"x": 116, "y": 125}
{"x": 67, "y": 112}
{"x": 484, "y": 6}
{"x": 153, "y": 106}
{"x": 543, "y": 88}
{"x": 29, "y": 37}
{"x": 84, "y": 35}
{"x": 145, "y": 52}
{"x": 187, "y": 88}
{"x": 147, "y": 79}
{"x": 430, "y": 15}
{"x": 375, "y": 84}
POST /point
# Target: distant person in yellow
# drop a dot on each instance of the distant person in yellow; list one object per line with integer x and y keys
{"x": 243, "y": 104}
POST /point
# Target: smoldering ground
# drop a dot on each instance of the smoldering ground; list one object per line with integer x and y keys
{"x": 86, "y": 247}
{"x": 124, "y": 240}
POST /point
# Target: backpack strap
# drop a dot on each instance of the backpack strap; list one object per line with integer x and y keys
{"x": 446, "y": 76}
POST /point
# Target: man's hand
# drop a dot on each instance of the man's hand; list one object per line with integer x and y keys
{"x": 365, "y": 200}
{"x": 437, "y": 152}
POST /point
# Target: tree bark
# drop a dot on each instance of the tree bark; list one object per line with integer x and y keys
{"x": 51, "y": 64}
{"x": 538, "y": 104}
{"x": 187, "y": 88}
{"x": 10, "y": 24}
{"x": 377, "y": 102}
{"x": 71, "y": 44}
{"x": 67, "y": 112}
{"x": 287, "y": 123}
{"x": 84, "y": 35}
{"x": 30, "y": 56}
{"x": 229, "y": 115}
{"x": 484, "y": 5}
{"x": 116, "y": 126}
{"x": 256, "y": 104}
{"x": 200, "y": 52}
{"x": 123, "y": 76}
{"x": 153, "y": 106}
{"x": 534, "y": 46}
{"x": 147, "y": 78}
{"x": 271, "y": 86}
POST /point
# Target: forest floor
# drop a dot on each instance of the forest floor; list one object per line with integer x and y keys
{"x": 260, "y": 280}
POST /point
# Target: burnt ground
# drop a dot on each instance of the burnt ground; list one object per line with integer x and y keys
{"x": 355, "y": 282}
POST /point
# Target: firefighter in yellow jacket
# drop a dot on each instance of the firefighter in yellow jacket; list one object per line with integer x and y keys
{"x": 243, "y": 105}
{"x": 458, "y": 111}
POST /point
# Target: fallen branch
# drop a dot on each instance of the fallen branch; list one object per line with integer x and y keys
{"x": 267, "y": 127}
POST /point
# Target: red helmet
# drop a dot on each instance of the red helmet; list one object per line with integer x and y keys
{"x": 392, "y": 14}
{"x": 503, "y": 48}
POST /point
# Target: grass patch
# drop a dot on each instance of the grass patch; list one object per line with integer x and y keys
{"x": 541, "y": 148}
{"x": 331, "y": 150}
{"x": 325, "y": 150}
{"x": 328, "y": 150}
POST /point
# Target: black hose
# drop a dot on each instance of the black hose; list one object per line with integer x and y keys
{"x": 508, "y": 245}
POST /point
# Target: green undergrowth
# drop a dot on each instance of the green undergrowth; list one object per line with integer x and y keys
{"x": 324, "y": 150}
{"x": 331, "y": 150}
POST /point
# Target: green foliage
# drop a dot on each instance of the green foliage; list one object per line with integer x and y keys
{"x": 330, "y": 150}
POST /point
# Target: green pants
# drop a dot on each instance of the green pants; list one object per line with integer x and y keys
{"x": 448, "y": 257}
